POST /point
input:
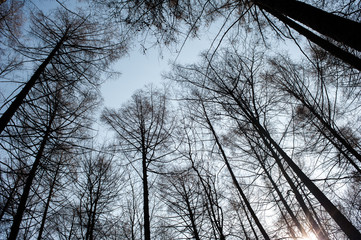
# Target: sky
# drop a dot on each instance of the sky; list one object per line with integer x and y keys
{"x": 138, "y": 69}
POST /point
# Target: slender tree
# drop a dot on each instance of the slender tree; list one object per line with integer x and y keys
{"x": 97, "y": 191}
{"x": 182, "y": 195}
{"x": 321, "y": 106}
{"x": 71, "y": 45}
{"x": 143, "y": 126}
{"x": 233, "y": 87}
{"x": 52, "y": 122}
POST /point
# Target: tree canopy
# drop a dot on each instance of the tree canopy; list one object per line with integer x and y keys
{"x": 259, "y": 139}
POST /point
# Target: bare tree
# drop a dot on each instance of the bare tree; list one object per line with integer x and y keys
{"x": 71, "y": 45}
{"x": 97, "y": 191}
{"x": 182, "y": 194}
{"x": 51, "y": 122}
{"x": 231, "y": 83}
{"x": 231, "y": 172}
{"x": 143, "y": 127}
{"x": 318, "y": 103}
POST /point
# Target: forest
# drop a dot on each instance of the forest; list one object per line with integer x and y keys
{"x": 258, "y": 138}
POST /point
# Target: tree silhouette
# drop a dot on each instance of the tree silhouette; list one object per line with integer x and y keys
{"x": 144, "y": 127}
{"x": 232, "y": 83}
{"x": 166, "y": 20}
{"x": 72, "y": 46}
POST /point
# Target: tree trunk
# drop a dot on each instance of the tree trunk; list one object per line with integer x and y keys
{"x": 145, "y": 191}
{"x": 338, "y": 28}
{"x": 14, "y": 106}
{"x": 216, "y": 225}
{"x": 234, "y": 179}
{"x": 52, "y": 186}
{"x": 94, "y": 214}
{"x": 289, "y": 227}
{"x": 317, "y": 229}
{"x": 275, "y": 187}
{"x": 345, "y": 56}
{"x": 191, "y": 217}
{"x": 29, "y": 181}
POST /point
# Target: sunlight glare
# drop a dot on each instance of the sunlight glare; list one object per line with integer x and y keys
{"x": 310, "y": 236}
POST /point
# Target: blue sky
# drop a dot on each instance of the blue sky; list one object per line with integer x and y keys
{"x": 138, "y": 69}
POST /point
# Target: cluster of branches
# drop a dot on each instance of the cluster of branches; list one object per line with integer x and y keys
{"x": 257, "y": 147}
{"x": 54, "y": 183}
{"x": 255, "y": 98}
{"x": 290, "y": 124}
{"x": 332, "y": 25}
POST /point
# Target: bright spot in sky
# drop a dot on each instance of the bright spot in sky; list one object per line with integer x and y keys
{"x": 311, "y": 236}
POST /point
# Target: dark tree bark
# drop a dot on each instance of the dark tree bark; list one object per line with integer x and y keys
{"x": 234, "y": 179}
{"x": 211, "y": 204}
{"x": 316, "y": 228}
{"x": 276, "y": 188}
{"x": 316, "y": 24}
{"x": 143, "y": 127}
{"x": 47, "y": 204}
{"x": 9, "y": 113}
{"x": 145, "y": 185}
{"x": 192, "y": 220}
{"x": 182, "y": 193}
{"x": 97, "y": 192}
{"x": 338, "y": 52}
{"x": 29, "y": 181}
{"x": 338, "y": 28}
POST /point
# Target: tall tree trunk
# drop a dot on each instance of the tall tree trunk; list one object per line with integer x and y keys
{"x": 216, "y": 225}
{"x": 346, "y": 226}
{"x": 89, "y": 211}
{"x": 51, "y": 190}
{"x": 29, "y": 181}
{"x": 94, "y": 213}
{"x": 285, "y": 220}
{"x": 145, "y": 190}
{"x": 14, "y": 106}
{"x": 317, "y": 229}
{"x": 338, "y": 52}
{"x": 255, "y": 234}
{"x": 275, "y": 187}
{"x": 191, "y": 217}
{"x": 338, "y": 28}
{"x": 240, "y": 219}
{"x": 71, "y": 226}
{"x": 317, "y": 219}
{"x": 234, "y": 179}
